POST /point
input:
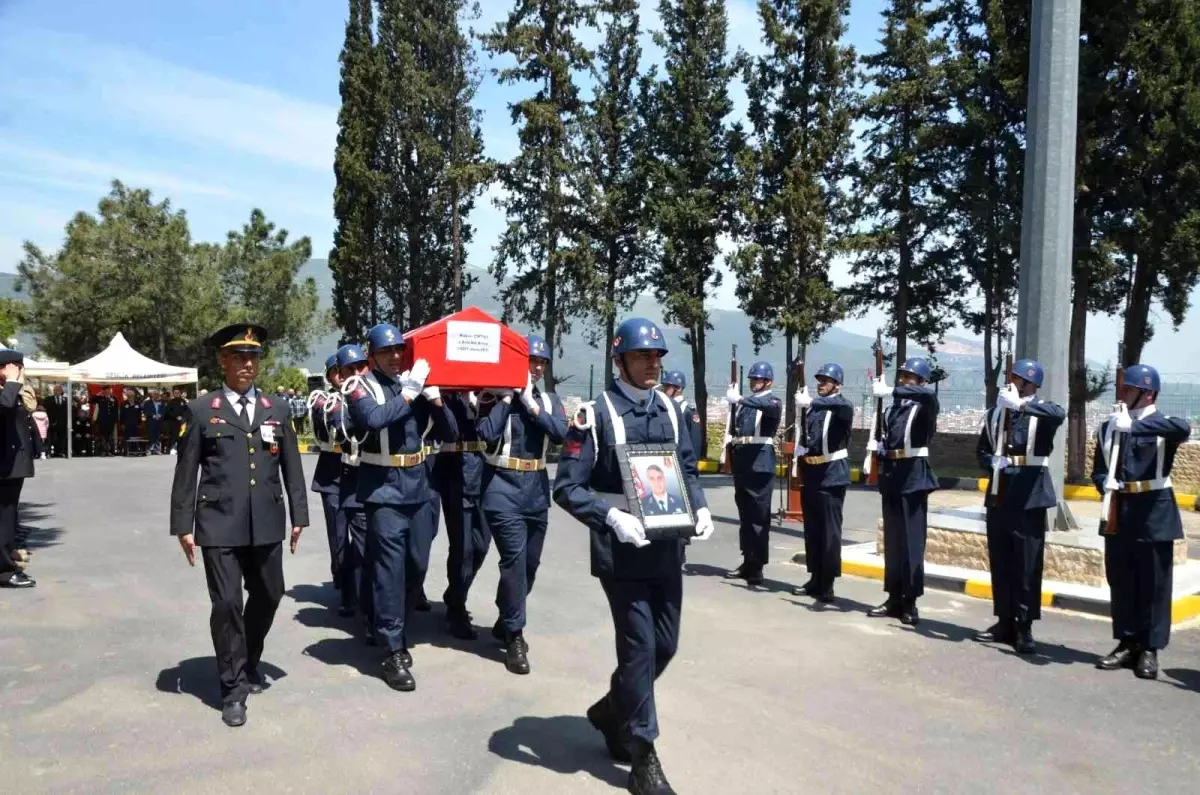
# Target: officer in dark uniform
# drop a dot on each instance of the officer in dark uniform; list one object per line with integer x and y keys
{"x": 244, "y": 448}
{"x": 905, "y": 480}
{"x": 16, "y": 464}
{"x": 1138, "y": 557}
{"x": 356, "y": 583}
{"x": 824, "y": 466}
{"x": 642, "y": 579}
{"x": 106, "y": 410}
{"x": 154, "y": 411}
{"x": 328, "y": 473}
{"x": 516, "y": 494}
{"x": 393, "y": 485}
{"x": 176, "y": 411}
{"x": 131, "y": 418}
{"x": 753, "y": 438}
{"x": 458, "y": 477}
{"x": 1014, "y": 448}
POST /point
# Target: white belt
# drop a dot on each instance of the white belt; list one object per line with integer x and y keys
{"x": 836, "y": 455}
{"x": 1029, "y": 460}
{"x": 915, "y": 452}
{"x": 1140, "y": 486}
{"x": 753, "y": 440}
{"x": 402, "y": 460}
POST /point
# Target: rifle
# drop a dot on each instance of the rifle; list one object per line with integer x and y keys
{"x": 1003, "y": 434}
{"x": 1108, "y": 508}
{"x": 870, "y": 470}
{"x": 801, "y": 424}
{"x": 726, "y": 451}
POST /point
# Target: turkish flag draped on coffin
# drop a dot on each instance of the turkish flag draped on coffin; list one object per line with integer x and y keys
{"x": 469, "y": 350}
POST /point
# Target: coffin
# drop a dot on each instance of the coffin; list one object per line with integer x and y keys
{"x": 469, "y": 350}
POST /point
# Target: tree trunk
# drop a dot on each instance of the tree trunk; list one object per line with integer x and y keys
{"x": 610, "y": 322}
{"x": 902, "y": 273}
{"x": 789, "y": 407}
{"x": 1077, "y": 435}
{"x": 456, "y": 244}
{"x": 699, "y": 385}
{"x": 1137, "y": 312}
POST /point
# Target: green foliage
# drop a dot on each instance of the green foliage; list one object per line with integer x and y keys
{"x": 13, "y": 316}
{"x": 272, "y": 375}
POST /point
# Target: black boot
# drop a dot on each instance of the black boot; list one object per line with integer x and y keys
{"x": 396, "y": 673}
{"x": 1023, "y": 641}
{"x": 890, "y": 609}
{"x": 498, "y": 631}
{"x": 1147, "y": 665}
{"x": 516, "y": 655}
{"x": 807, "y": 589}
{"x": 233, "y": 714}
{"x": 646, "y": 776}
{"x": 603, "y": 718}
{"x": 1124, "y": 656}
{"x": 458, "y": 624}
{"x": 1000, "y": 632}
{"x": 909, "y": 615}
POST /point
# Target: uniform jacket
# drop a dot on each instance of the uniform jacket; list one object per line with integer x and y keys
{"x": 460, "y": 473}
{"x": 404, "y": 425}
{"x": 16, "y": 446}
{"x": 588, "y": 482}
{"x": 909, "y": 424}
{"x": 57, "y": 407}
{"x": 826, "y": 431}
{"x": 327, "y": 430}
{"x": 104, "y": 409}
{"x": 131, "y": 418}
{"x": 1023, "y": 487}
{"x": 1147, "y": 452}
{"x": 511, "y": 431}
{"x": 176, "y": 410}
{"x": 650, "y": 506}
{"x": 238, "y": 499}
{"x": 756, "y": 415}
{"x": 691, "y": 421}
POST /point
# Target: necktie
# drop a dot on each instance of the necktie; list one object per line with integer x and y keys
{"x": 662, "y": 505}
{"x": 243, "y": 403}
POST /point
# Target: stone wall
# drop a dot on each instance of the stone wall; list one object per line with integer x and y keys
{"x": 1185, "y": 472}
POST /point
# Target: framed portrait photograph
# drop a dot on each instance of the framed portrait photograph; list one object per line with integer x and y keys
{"x": 655, "y": 491}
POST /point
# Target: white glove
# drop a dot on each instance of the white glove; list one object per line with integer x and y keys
{"x": 803, "y": 399}
{"x": 473, "y": 399}
{"x": 431, "y": 393}
{"x": 880, "y": 389}
{"x": 727, "y": 440}
{"x": 626, "y": 527}
{"x": 732, "y": 394}
{"x": 1009, "y": 398}
{"x": 704, "y": 525}
{"x": 801, "y": 451}
{"x": 414, "y": 379}
{"x": 999, "y": 462}
{"x": 408, "y": 390}
{"x": 1123, "y": 421}
{"x": 527, "y": 399}
{"x": 1111, "y": 484}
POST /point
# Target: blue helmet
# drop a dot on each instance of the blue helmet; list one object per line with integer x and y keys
{"x": 638, "y": 334}
{"x": 1029, "y": 370}
{"x": 674, "y": 378}
{"x": 832, "y": 372}
{"x": 918, "y": 366}
{"x": 538, "y": 349}
{"x": 350, "y": 354}
{"x": 331, "y": 362}
{"x": 384, "y": 335}
{"x": 761, "y": 370}
{"x": 1144, "y": 377}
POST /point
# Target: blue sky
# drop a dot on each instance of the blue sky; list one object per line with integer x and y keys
{"x": 225, "y": 106}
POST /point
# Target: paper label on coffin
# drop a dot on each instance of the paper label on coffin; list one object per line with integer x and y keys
{"x": 472, "y": 341}
{"x": 469, "y": 350}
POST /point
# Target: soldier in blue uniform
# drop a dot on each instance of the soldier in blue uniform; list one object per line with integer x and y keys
{"x": 905, "y": 481}
{"x": 673, "y": 384}
{"x": 825, "y": 468}
{"x": 458, "y": 477}
{"x": 328, "y": 474}
{"x": 1024, "y": 426}
{"x": 1138, "y": 557}
{"x": 755, "y": 419}
{"x": 356, "y": 584}
{"x": 641, "y": 578}
{"x": 393, "y": 485}
{"x": 516, "y": 494}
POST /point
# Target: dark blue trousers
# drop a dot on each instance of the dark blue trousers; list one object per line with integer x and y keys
{"x": 1016, "y": 550}
{"x": 335, "y": 530}
{"x": 398, "y": 541}
{"x": 355, "y": 581}
{"x": 154, "y": 435}
{"x": 904, "y": 534}
{"x": 468, "y": 535}
{"x": 1140, "y": 576}
{"x": 646, "y": 616}
{"x": 519, "y": 539}
{"x": 752, "y": 494}
{"x": 823, "y": 534}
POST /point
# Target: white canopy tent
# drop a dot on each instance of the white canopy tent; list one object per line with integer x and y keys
{"x": 48, "y": 371}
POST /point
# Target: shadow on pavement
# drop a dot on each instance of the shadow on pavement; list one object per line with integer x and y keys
{"x": 775, "y": 528}
{"x": 354, "y": 652}
{"x": 29, "y": 536}
{"x": 840, "y": 604}
{"x": 1185, "y": 678}
{"x": 430, "y": 630}
{"x": 940, "y": 630}
{"x": 565, "y": 744}
{"x": 1050, "y": 654}
{"x": 323, "y": 594}
{"x": 768, "y": 585}
{"x": 198, "y": 677}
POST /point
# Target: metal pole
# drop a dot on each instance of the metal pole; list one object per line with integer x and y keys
{"x": 70, "y": 418}
{"x": 1044, "y": 319}
{"x": 591, "y": 381}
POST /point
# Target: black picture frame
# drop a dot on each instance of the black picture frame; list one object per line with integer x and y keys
{"x": 636, "y": 462}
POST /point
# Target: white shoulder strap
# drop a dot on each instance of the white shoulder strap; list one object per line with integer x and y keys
{"x": 675, "y": 420}
{"x": 617, "y": 423}
{"x": 548, "y": 407}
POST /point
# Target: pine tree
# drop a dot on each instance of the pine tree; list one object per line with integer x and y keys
{"x": 800, "y": 110}
{"x": 545, "y": 249}
{"x": 902, "y": 260}
{"x": 614, "y": 149}
{"x": 693, "y": 186}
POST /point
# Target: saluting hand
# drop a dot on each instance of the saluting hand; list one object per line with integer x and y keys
{"x": 188, "y": 542}
{"x": 295, "y": 538}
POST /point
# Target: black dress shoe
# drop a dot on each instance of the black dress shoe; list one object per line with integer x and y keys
{"x": 516, "y": 656}
{"x": 737, "y": 574}
{"x": 909, "y": 615}
{"x": 396, "y": 673}
{"x": 458, "y": 624}
{"x": 646, "y": 776}
{"x": 18, "y": 579}
{"x": 890, "y": 609}
{"x": 233, "y": 714}
{"x": 1147, "y": 665}
{"x": 257, "y": 685}
{"x": 603, "y": 718}
{"x": 751, "y": 574}
{"x": 1023, "y": 642}
{"x": 807, "y": 589}
{"x": 1000, "y": 632}
{"x": 826, "y": 598}
{"x": 1124, "y": 656}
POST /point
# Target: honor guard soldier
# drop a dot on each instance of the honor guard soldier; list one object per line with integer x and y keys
{"x": 1014, "y": 447}
{"x": 755, "y": 419}
{"x": 516, "y": 494}
{"x": 1138, "y": 555}
{"x": 246, "y": 453}
{"x": 458, "y": 477}
{"x": 16, "y": 464}
{"x": 824, "y": 464}
{"x": 905, "y": 480}
{"x": 323, "y": 408}
{"x": 393, "y": 485}
{"x": 355, "y": 576}
{"x": 642, "y": 579}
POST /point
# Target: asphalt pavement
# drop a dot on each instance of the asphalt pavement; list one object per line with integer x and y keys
{"x": 107, "y": 681}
